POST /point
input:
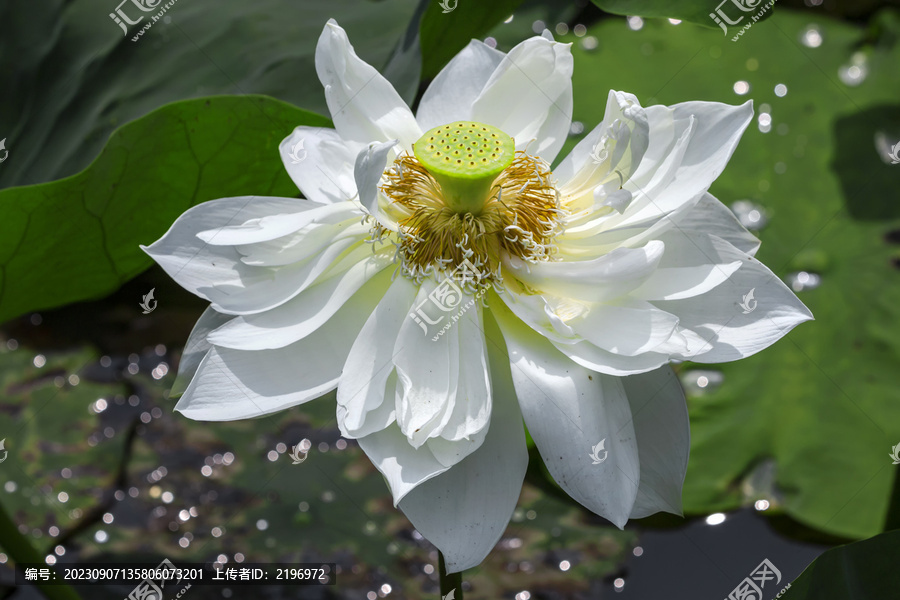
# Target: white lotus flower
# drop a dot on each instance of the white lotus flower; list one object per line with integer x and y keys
{"x": 579, "y": 287}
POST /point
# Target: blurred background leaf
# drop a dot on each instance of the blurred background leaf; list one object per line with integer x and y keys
{"x": 76, "y": 77}
{"x": 78, "y": 238}
{"x": 693, "y": 11}
{"x": 858, "y": 570}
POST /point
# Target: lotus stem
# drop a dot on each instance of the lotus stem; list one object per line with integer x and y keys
{"x": 451, "y": 584}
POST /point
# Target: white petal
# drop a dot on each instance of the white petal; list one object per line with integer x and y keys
{"x": 428, "y": 371}
{"x": 216, "y": 273}
{"x": 529, "y": 96}
{"x": 628, "y": 328}
{"x": 370, "y": 165}
{"x": 465, "y": 510}
{"x": 607, "y": 277}
{"x": 364, "y": 105}
{"x": 320, "y": 163}
{"x": 711, "y": 216}
{"x": 237, "y": 384}
{"x": 299, "y": 317}
{"x": 693, "y": 264}
{"x": 569, "y": 410}
{"x": 403, "y": 466}
{"x": 718, "y": 318}
{"x": 196, "y": 348}
{"x": 371, "y": 361}
{"x": 272, "y": 227}
{"x": 466, "y": 427}
{"x": 591, "y": 357}
{"x": 451, "y": 94}
{"x": 715, "y": 133}
{"x": 663, "y": 437}
{"x": 620, "y": 106}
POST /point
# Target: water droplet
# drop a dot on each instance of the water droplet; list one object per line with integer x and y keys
{"x": 635, "y": 23}
{"x": 562, "y": 29}
{"x": 509, "y": 19}
{"x": 781, "y": 90}
{"x": 101, "y": 536}
{"x": 638, "y": 551}
{"x": 262, "y": 524}
{"x": 803, "y": 280}
{"x": 698, "y": 382}
{"x": 538, "y": 27}
{"x": 564, "y": 565}
{"x": 619, "y": 583}
{"x": 761, "y": 505}
{"x": 854, "y": 73}
{"x": 579, "y": 30}
{"x": 490, "y": 42}
{"x": 589, "y": 43}
{"x": 715, "y": 519}
{"x": 576, "y": 128}
{"x": 811, "y": 37}
{"x": 741, "y": 87}
{"x": 12, "y": 344}
{"x": 39, "y": 361}
{"x": 750, "y": 215}
{"x": 675, "y": 21}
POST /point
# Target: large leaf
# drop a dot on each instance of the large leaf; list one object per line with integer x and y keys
{"x": 865, "y": 570}
{"x": 694, "y": 11}
{"x": 70, "y": 76}
{"x": 821, "y": 405}
{"x": 78, "y": 238}
{"x": 443, "y": 34}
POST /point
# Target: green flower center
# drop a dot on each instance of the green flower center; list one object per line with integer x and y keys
{"x": 466, "y": 194}
{"x": 465, "y": 158}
